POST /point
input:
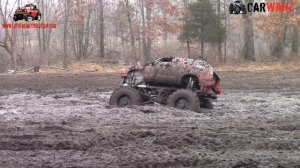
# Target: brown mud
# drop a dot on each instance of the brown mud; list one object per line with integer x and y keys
{"x": 63, "y": 121}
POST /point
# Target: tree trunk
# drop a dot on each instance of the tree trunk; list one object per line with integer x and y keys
{"x": 281, "y": 44}
{"x": 87, "y": 35}
{"x": 40, "y": 46}
{"x": 186, "y": 22}
{"x": 295, "y": 41}
{"x": 9, "y": 38}
{"x": 248, "y": 48}
{"x": 79, "y": 31}
{"x": 202, "y": 50}
{"x": 249, "y": 51}
{"x": 44, "y": 54}
{"x": 132, "y": 40}
{"x": 225, "y": 42}
{"x": 66, "y": 20}
{"x": 144, "y": 59}
{"x": 296, "y": 36}
{"x": 188, "y": 45}
{"x": 219, "y": 41}
{"x": 102, "y": 29}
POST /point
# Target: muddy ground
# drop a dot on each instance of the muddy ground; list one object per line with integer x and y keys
{"x": 63, "y": 121}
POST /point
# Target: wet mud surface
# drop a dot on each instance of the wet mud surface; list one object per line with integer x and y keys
{"x": 63, "y": 121}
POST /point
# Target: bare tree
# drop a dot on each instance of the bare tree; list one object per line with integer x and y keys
{"x": 101, "y": 52}
{"x": 146, "y": 12}
{"x": 128, "y": 30}
{"x": 65, "y": 35}
{"x": 219, "y": 41}
{"x": 248, "y": 50}
{"x": 188, "y": 39}
{"x": 9, "y": 40}
{"x": 80, "y": 30}
{"x": 132, "y": 37}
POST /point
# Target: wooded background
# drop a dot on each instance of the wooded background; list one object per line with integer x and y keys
{"x": 130, "y": 31}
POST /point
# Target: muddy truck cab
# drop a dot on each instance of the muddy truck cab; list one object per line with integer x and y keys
{"x": 29, "y": 13}
{"x": 182, "y": 83}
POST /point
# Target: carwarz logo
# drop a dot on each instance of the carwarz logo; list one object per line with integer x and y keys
{"x": 26, "y": 17}
{"x": 238, "y": 7}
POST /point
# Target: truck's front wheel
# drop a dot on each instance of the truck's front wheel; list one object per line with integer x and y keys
{"x": 15, "y": 18}
{"x": 125, "y": 96}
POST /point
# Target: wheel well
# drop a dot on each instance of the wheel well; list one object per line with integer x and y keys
{"x": 133, "y": 71}
{"x": 185, "y": 79}
{"x": 140, "y": 78}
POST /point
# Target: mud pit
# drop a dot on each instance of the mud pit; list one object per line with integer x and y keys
{"x": 64, "y": 121}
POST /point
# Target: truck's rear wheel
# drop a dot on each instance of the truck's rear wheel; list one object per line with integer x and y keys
{"x": 125, "y": 96}
{"x": 185, "y": 100}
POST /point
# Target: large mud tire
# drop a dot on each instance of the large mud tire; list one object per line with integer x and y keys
{"x": 231, "y": 8}
{"x": 25, "y": 17}
{"x": 185, "y": 100}
{"x": 15, "y": 18}
{"x": 125, "y": 96}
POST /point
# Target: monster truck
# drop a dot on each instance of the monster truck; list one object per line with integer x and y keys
{"x": 28, "y": 13}
{"x": 237, "y": 7}
{"x": 182, "y": 83}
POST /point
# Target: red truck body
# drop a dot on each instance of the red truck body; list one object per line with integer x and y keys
{"x": 29, "y": 12}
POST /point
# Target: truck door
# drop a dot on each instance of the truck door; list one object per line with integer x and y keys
{"x": 163, "y": 72}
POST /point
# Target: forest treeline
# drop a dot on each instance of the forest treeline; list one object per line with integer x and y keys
{"x": 131, "y": 31}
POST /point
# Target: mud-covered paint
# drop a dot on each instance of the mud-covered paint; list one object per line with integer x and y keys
{"x": 172, "y": 70}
